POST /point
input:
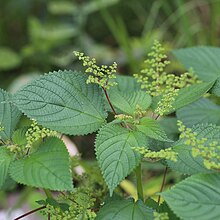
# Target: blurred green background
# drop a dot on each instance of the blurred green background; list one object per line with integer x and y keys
{"x": 39, "y": 36}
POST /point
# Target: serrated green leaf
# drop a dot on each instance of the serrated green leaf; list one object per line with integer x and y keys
{"x": 5, "y": 159}
{"x": 188, "y": 164}
{"x": 9, "y": 115}
{"x": 114, "y": 154}
{"x": 19, "y": 137}
{"x": 48, "y": 167}
{"x": 191, "y": 94}
{"x": 201, "y": 111}
{"x": 197, "y": 197}
{"x": 151, "y": 128}
{"x": 125, "y": 210}
{"x": 204, "y": 61}
{"x": 128, "y": 102}
{"x": 62, "y": 101}
{"x": 216, "y": 87}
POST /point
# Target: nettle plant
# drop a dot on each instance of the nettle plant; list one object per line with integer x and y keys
{"x": 134, "y": 122}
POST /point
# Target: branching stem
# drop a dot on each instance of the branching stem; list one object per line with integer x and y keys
{"x": 163, "y": 183}
{"x": 30, "y": 212}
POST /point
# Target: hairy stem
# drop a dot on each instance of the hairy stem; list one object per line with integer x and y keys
{"x": 139, "y": 183}
{"x": 30, "y": 212}
{"x": 163, "y": 183}
{"x": 109, "y": 102}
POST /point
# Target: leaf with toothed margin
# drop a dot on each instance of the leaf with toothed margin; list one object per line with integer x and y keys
{"x": 188, "y": 164}
{"x": 197, "y": 197}
{"x": 114, "y": 152}
{"x": 122, "y": 209}
{"x": 9, "y": 115}
{"x": 5, "y": 159}
{"x": 151, "y": 128}
{"x": 48, "y": 167}
{"x": 62, "y": 101}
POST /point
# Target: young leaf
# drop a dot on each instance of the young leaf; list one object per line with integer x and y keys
{"x": 48, "y": 167}
{"x": 9, "y": 115}
{"x": 188, "y": 164}
{"x": 197, "y": 197}
{"x": 151, "y": 128}
{"x": 125, "y": 210}
{"x": 114, "y": 154}
{"x": 62, "y": 101}
{"x": 128, "y": 102}
{"x": 201, "y": 111}
{"x": 19, "y": 137}
{"x": 204, "y": 61}
{"x": 5, "y": 160}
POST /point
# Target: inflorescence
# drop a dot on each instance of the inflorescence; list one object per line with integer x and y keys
{"x": 209, "y": 151}
{"x": 157, "y": 82}
{"x": 100, "y": 75}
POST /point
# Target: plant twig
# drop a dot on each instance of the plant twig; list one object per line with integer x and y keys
{"x": 163, "y": 183}
{"x": 109, "y": 102}
{"x": 30, "y": 212}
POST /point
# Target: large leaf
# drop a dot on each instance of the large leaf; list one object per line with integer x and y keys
{"x": 197, "y": 197}
{"x": 188, "y": 164}
{"x": 125, "y": 210}
{"x": 191, "y": 94}
{"x": 5, "y": 160}
{"x": 9, "y": 115}
{"x": 49, "y": 167}
{"x": 128, "y": 102}
{"x": 204, "y": 61}
{"x": 63, "y": 101}
{"x": 114, "y": 154}
{"x": 152, "y": 129}
{"x": 201, "y": 111}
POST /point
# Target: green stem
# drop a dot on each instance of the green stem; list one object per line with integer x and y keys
{"x": 139, "y": 183}
{"x": 48, "y": 193}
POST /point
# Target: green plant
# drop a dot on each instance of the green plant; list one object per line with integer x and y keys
{"x": 72, "y": 103}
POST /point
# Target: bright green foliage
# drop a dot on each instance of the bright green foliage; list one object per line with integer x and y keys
{"x": 204, "y": 61}
{"x": 151, "y": 128}
{"x": 161, "y": 216}
{"x": 167, "y": 153}
{"x": 19, "y": 136}
{"x": 48, "y": 167}
{"x": 100, "y": 74}
{"x": 128, "y": 102}
{"x": 114, "y": 153}
{"x": 5, "y": 159}
{"x": 9, "y": 115}
{"x": 125, "y": 210}
{"x": 197, "y": 197}
{"x": 201, "y": 111}
{"x": 62, "y": 101}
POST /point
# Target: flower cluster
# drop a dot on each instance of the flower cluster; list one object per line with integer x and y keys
{"x": 157, "y": 82}
{"x": 209, "y": 151}
{"x": 161, "y": 216}
{"x": 35, "y": 132}
{"x": 79, "y": 207}
{"x": 100, "y": 75}
{"x": 167, "y": 153}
